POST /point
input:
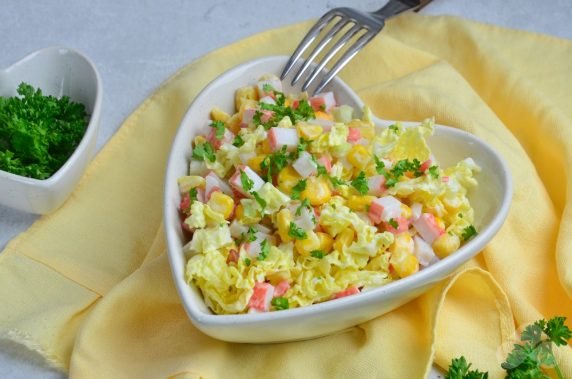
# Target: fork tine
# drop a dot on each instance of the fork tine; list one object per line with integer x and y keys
{"x": 308, "y": 39}
{"x": 327, "y": 38}
{"x": 341, "y": 42}
{"x": 348, "y": 55}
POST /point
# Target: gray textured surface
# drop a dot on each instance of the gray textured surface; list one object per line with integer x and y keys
{"x": 136, "y": 45}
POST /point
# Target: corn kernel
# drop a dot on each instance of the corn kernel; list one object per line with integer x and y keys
{"x": 402, "y": 244}
{"x": 344, "y": 239}
{"x": 406, "y": 211}
{"x": 360, "y": 203}
{"x": 218, "y": 114}
{"x": 239, "y": 212}
{"x": 185, "y": 183}
{"x": 404, "y": 264}
{"x": 254, "y": 163}
{"x": 243, "y": 94}
{"x": 199, "y": 140}
{"x": 317, "y": 191}
{"x": 326, "y": 242}
{"x": 309, "y": 131}
{"x": 446, "y": 244}
{"x": 323, "y": 115}
{"x": 370, "y": 169}
{"x": 283, "y": 219}
{"x": 359, "y": 156}
{"x": 440, "y": 222}
{"x": 221, "y": 203}
{"x": 265, "y": 147}
{"x": 278, "y": 276}
{"x": 306, "y": 246}
{"x": 288, "y": 178}
{"x": 233, "y": 123}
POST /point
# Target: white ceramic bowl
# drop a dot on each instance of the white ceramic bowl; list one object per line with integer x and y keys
{"x": 57, "y": 71}
{"x": 491, "y": 203}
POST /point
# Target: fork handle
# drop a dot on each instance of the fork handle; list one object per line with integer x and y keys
{"x": 395, "y": 7}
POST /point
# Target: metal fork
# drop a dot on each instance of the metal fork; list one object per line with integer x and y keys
{"x": 370, "y": 23}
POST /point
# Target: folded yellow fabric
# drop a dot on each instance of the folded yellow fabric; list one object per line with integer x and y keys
{"x": 89, "y": 286}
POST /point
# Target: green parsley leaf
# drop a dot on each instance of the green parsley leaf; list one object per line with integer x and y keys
{"x": 280, "y": 303}
{"x": 259, "y": 200}
{"x": 264, "y": 250}
{"x": 219, "y": 128}
{"x": 304, "y": 204}
{"x": 247, "y": 261}
{"x": 394, "y": 128}
{"x": 296, "y": 232}
{"x": 379, "y": 165}
{"x": 393, "y": 223}
{"x": 245, "y": 181}
{"x": 238, "y": 141}
{"x": 267, "y": 87}
{"x": 558, "y": 333}
{"x": 297, "y": 189}
{"x": 251, "y": 234}
{"x": 360, "y": 183}
{"x": 204, "y": 151}
{"x": 460, "y": 369}
{"x": 322, "y": 170}
{"x": 434, "y": 172}
{"x": 336, "y": 182}
{"x": 275, "y": 162}
{"x": 193, "y": 193}
{"x": 317, "y": 254}
{"x": 468, "y": 233}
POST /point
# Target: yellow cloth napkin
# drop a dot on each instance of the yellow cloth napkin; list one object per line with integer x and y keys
{"x": 89, "y": 286}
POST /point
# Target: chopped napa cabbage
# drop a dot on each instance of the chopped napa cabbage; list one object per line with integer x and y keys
{"x": 252, "y": 211}
{"x": 411, "y": 143}
{"x": 273, "y": 197}
{"x": 343, "y": 113}
{"x": 210, "y": 239}
{"x": 202, "y": 215}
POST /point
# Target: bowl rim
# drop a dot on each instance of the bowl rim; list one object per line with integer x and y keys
{"x": 429, "y": 274}
{"x": 90, "y": 129}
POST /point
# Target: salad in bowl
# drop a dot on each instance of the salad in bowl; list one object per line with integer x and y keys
{"x": 286, "y": 207}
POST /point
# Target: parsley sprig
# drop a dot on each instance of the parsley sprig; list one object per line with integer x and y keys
{"x": 204, "y": 151}
{"x": 527, "y": 359}
{"x": 280, "y": 110}
{"x": 219, "y": 128}
{"x": 296, "y": 232}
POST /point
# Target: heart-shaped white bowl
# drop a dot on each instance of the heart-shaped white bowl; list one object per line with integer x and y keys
{"x": 491, "y": 203}
{"x": 57, "y": 71}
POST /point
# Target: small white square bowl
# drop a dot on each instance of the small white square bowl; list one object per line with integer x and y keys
{"x": 491, "y": 202}
{"x": 57, "y": 71}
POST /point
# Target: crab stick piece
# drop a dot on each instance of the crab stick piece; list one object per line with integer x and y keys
{"x": 427, "y": 227}
{"x": 402, "y": 225}
{"x": 376, "y": 185}
{"x": 384, "y": 209}
{"x": 262, "y": 295}
{"x": 326, "y": 161}
{"x": 354, "y": 135}
{"x": 425, "y": 165}
{"x": 213, "y": 183}
{"x": 227, "y": 137}
{"x": 347, "y": 292}
{"x": 268, "y": 100}
{"x": 323, "y": 102}
{"x": 249, "y": 113}
{"x": 278, "y": 137}
{"x": 305, "y": 165}
{"x": 281, "y": 288}
{"x": 236, "y": 180}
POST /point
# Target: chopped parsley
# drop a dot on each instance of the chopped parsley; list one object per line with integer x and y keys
{"x": 296, "y": 232}
{"x": 204, "y": 151}
{"x": 275, "y": 162}
{"x": 394, "y": 128}
{"x": 251, "y": 234}
{"x": 219, "y": 128}
{"x": 434, "y": 171}
{"x": 303, "y": 111}
{"x": 193, "y": 193}
{"x": 38, "y": 133}
{"x": 468, "y": 233}
{"x": 297, "y": 189}
{"x": 267, "y": 88}
{"x": 399, "y": 169}
{"x": 379, "y": 165}
{"x": 304, "y": 204}
{"x": 280, "y": 303}
{"x": 317, "y": 254}
{"x": 360, "y": 183}
{"x": 247, "y": 261}
{"x": 238, "y": 141}
{"x": 393, "y": 223}
{"x": 259, "y": 199}
{"x": 264, "y": 250}
{"x": 245, "y": 181}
